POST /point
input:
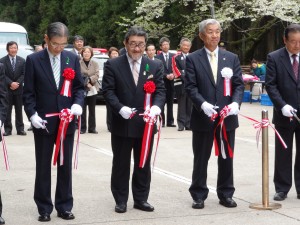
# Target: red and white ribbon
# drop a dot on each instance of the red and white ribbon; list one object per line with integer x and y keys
{"x": 227, "y": 87}
{"x": 66, "y": 88}
{"x": 6, "y": 162}
{"x": 65, "y": 117}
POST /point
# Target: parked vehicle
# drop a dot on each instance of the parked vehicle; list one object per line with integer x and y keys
{"x": 100, "y": 59}
{"x": 17, "y": 33}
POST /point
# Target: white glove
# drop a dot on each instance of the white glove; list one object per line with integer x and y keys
{"x": 37, "y": 121}
{"x": 154, "y": 111}
{"x": 208, "y": 109}
{"x": 287, "y": 110}
{"x": 76, "y": 110}
{"x": 126, "y": 112}
{"x": 234, "y": 109}
{"x": 0, "y": 124}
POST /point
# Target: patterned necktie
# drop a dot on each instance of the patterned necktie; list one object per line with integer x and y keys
{"x": 295, "y": 66}
{"x": 135, "y": 72}
{"x": 56, "y": 70}
{"x": 167, "y": 60}
{"x": 13, "y": 63}
{"x": 213, "y": 64}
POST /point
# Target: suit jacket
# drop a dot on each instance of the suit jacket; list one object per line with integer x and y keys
{"x": 281, "y": 85}
{"x": 120, "y": 90}
{"x": 14, "y": 76}
{"x": 41, "y": 94}
{"x": 3, "y": 95}
{"x": 200, "y": 87}
{"x": 90, "y": 72}
{"x": 167, "y": 68}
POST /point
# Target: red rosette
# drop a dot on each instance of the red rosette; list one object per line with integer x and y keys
{"x": 69, "y": 73}
{"x": 149, "y": 87}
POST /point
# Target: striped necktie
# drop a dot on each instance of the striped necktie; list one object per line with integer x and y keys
{"x": 295, "y": 66}
{"x": 135, "y": 72}
{"x": 13, "y": 63}
{"x": 56, "y": 70}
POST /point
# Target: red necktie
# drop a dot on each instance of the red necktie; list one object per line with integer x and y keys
{"x": 295, "y": 65}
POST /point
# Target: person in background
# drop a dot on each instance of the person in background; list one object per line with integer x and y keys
{"x": 43, "y": 83}
{"x": 14, "y": 77}
{"x": 258, "y": 69}
{"x": 123, "y": 87}
{"x": 113, "y": 52}
{"x": 206, "y": 70}
{"x": 90, "y": 73}
{"x": 166, "y": 57}
{"x": 78, "y": 44}
{"x": 184, "y": 103}
{"x": 38, "y": 48}
{"x": 151, "y": 51}
{"x": 282, "y": 85}
{"x": 3, "y": 111}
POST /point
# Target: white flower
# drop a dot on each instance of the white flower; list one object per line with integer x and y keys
{"x": 227, "y": 72}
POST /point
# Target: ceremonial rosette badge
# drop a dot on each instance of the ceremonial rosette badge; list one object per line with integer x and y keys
{"x": 227, "y": 73}
{"x": 69, "y": 75}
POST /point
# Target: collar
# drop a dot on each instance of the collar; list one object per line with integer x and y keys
{"x": 290, "y": 54}
{"x": 130, "y": 60}
{"x": 216, "y": 51}
{"x": 51, "y": 55}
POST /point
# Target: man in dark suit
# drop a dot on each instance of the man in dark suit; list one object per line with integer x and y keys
{"x": 78, "y": 44}
{"x": 184, "y": 103}
{"x": 166, "y": 57}
{"x": 42, "y": 95}
{"x": 3, "y": 111}
{"x": 205, "y": 72}
{"x": 14, "y": 71}
{"x": 123, "y": 87}
{"x": 282, "y": 85}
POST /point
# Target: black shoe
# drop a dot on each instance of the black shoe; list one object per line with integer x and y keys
{"x": 228, "y": 202}
{"x": 198, "y": 204}
{"x": 2, "y": 220}
{"x": 163, "y": 125}
{"x": 180, "y": 129}
{"x": 171, "y": 125}
{"x": 121, "y": 207}
{"x": 143, "y": 205}
{"x": 6, "y": 133}
{"x": 93, "y": 131}
{"x": 66, "y": 215}
{"x": 187, "y": 128}
{"x": 22, "y": 132}
{"x": 29, "y": 129}
{"x": 280, "y": 196}
{"x": 44, "y": 218}
{"x": 298, "y": 196}
{"x": 82, "y": 132}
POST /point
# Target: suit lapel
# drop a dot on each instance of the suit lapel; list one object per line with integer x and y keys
{"x": 142, "y": 74}
{"x": 8, "y": 65}
{"x": 221, "y": 64}
{"x": 206, "y": 65}
{"x": 287, "y": 63}
{"x": 63, "y": 65}
{"x": 46, "y": 66}
{"x": 127, "y": 74}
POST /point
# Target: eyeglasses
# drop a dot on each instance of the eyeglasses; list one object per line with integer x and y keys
{"x": 56, "y": 45}
{"x": 140, "y": 45}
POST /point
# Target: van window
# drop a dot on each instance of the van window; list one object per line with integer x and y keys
{"x": 20, "y": 38}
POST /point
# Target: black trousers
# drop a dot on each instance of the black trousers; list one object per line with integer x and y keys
{"x": 202, "y": 147}
{"x": 169, "y": 102}
{"x": 284, "y": 159}
{"x": 108, "y": 116}
{"x": 184, "y": 111}
{"x": 42, "y": 190}
{"x": 17, "y": 101}
{"x": 141, "y": 177}
{"x": 89, "y": 101}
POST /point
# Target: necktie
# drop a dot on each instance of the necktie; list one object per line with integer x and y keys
{"x": 13, "y": 63}
{"x": 295, "y": 66}
{"x": 135, "y": 72}
{"x": 213, "y": 64}
{"x": 167, "y": 60}
{"x": 56, "y": 70}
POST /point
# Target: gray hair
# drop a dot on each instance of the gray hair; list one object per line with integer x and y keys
{"x": 57, "y": 29}
{"x": 136, "y": 31}
{"x": 203, "y": 24}
{"x": 185, "y": 39}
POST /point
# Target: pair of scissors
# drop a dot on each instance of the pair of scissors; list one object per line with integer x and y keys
{"x": 295, "y": 116}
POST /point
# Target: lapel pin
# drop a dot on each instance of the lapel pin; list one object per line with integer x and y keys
{"x": 224, "y": 58}
{"x": 144, "y": 73}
